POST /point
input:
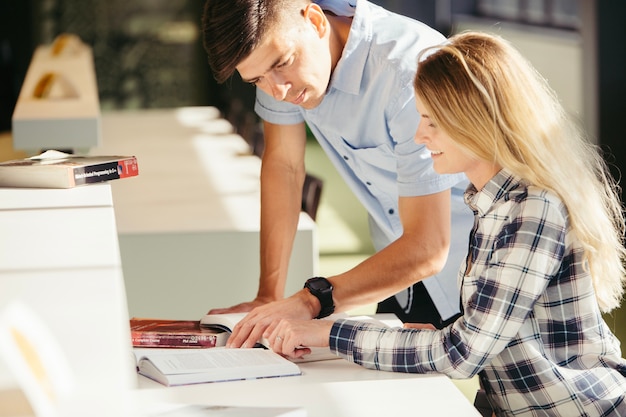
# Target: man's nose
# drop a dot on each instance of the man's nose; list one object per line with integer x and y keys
{"x": 279, "y": 86}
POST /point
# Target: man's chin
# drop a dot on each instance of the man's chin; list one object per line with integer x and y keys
{"x": 311, "y": 103}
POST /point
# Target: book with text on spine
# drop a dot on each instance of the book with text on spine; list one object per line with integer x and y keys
{"x": 54, "y": 169}
{"x": 161, "y": 333}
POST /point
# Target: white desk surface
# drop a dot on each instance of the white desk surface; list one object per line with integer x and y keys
{"x": 194, "y": 173}
{"x": 188, "y": 224}
{"x": 334, "y": 388}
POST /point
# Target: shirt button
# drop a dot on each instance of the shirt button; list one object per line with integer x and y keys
{"x": 368, "y": 183}
{"x": 345, "y": 157}
{"x": 391, "y": 211}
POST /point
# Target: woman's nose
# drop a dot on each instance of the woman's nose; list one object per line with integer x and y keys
{"x": 420, "y": 136}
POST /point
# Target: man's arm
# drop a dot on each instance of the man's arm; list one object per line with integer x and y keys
{"x": 419, "y": 253}
{"x": 282, "y": 177}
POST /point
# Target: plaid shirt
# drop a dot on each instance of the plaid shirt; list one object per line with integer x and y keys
{"x": 531, "y": 326}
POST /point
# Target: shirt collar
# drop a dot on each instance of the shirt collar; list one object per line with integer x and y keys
{"x": 338, "y": 7}
{"x": 349, "y": 70}
{"x": 496, "y": 188}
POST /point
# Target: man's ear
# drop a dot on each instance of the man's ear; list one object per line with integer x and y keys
{"x": 314, "y": 15}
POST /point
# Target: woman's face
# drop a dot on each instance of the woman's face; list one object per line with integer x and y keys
{"x": 447, "y": 156}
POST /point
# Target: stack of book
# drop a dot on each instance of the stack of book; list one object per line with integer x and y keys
{"x": 160, "y": 333}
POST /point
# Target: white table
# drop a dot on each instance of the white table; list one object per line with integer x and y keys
{"x": 188, "y": 225}
{"x": 61, "y": 286}
{"x": 334, "y": 388}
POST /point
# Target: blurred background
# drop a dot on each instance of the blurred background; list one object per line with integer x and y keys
{"x": 148, "y": 54}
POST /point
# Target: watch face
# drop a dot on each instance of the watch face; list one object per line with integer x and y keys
{"x": 318, "y": 284}
{"x": 323, "y": 290}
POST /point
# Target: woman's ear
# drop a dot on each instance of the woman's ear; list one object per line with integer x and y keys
{"x": 314, "y": 15}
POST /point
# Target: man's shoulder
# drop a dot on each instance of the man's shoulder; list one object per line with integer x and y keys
{"x": 388, "y": 25}
{"x": 399, "y": 39}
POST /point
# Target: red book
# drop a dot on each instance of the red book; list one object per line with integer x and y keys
{"x": 160, "y": 333}
{"x": 54, "y": 169}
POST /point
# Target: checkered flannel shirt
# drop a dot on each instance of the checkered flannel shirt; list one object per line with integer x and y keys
{"x": 531, "y": 326}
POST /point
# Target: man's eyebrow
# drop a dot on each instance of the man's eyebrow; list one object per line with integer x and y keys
{"x": 274, "y": 65}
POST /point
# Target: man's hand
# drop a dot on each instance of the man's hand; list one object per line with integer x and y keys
{"x": 241, "y": 307}
{"x": 264, "y": 319}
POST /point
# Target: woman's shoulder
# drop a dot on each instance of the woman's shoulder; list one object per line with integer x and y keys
{"x": 538, "y": 202}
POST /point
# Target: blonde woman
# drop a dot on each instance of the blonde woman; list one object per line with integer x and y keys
{"x": 546, "y": 251}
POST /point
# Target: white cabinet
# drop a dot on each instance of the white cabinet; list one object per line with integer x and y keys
{"x": 59, "y": 261}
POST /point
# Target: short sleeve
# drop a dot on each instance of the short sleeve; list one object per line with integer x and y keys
{"x": 277, "y": 112}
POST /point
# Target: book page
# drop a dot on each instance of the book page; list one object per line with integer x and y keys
{"x": 184, "y": 366}
{"x": 206, "y": 360}
{"x": 226, "y": 322}
{"x": 198, "y": 361}
{"x": 222, "y": 321}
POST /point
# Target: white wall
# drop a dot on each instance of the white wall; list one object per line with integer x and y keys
{"x": 556, "y": 54}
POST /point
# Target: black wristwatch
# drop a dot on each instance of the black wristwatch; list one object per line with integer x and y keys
{"x": 321, "y": 288}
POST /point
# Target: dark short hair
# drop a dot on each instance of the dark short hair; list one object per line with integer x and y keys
{"x": 232, "y": 29}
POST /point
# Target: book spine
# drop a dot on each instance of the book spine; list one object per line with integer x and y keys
{"x": 108, "y": 171}
{"x": 148, "y": 339}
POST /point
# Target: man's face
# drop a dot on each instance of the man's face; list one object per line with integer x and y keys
{"x": 293, "y": 62}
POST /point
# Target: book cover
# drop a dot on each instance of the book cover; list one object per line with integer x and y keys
{"x": 162, "y": 333}
{"x": 54, "y": 169}
{"x": 195, "y": 366}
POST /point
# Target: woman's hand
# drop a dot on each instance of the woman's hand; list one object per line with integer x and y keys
{"x": 294, "y": 338}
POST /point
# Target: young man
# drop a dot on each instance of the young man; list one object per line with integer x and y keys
{"x": 346, "y": 69}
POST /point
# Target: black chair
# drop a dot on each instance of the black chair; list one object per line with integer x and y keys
{"x": 311, "y": 194}
{"x": 257, "y": 142}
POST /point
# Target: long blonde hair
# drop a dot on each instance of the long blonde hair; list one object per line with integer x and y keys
{"x": 493, "y": 103}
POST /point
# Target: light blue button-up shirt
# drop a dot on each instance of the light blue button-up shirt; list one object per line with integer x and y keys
{"x": 366, "y": 125}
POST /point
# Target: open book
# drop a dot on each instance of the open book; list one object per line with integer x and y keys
{"x": 192, "y": 366}
{"x": 195, "y": 366}
{"x": 226, "y": 322}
